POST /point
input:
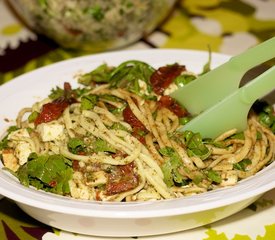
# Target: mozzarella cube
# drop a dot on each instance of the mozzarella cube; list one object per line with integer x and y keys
{"x": 50, "y": 131}
{"x": 22, "y": 151}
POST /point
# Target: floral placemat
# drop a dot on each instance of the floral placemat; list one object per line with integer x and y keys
{"x": 256, "y": 222}
{"x": 226, "y": 26}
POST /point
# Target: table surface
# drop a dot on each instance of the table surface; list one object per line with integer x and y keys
{"x": 227, "y": 26}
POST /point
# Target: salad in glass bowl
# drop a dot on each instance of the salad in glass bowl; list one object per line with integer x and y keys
{"x": 93, "y": 25}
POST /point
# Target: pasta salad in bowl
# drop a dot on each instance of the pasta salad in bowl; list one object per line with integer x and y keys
{"x": 98, "y": 139}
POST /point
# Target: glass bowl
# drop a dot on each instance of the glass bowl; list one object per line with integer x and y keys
{"x": 93, "y": 25}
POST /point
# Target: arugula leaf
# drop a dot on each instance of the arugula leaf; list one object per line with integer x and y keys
{"x": 56, "y": 93}
{"x": 33, "y": 116}
{"x": 101, "y": 145}
{"x": 195, "y": 145}
{"x": 213, "y": 176}
{"x": 96, "y": 12}
{"x": 207, "y": 65}
{"x": 238, "y": 136}
{"x": 242, "y": 164}
{"x": 267, "y": 120}
{"x": 265, "y": 113}
{"x": 184, "y": 79}
{"x": 99, "y": 75}
{"x": 119, "y": 126}
{"x": 4, "y": 141}
{"x": 210, "y": 141}
{"x": 47, "y": 172}
{"x": 80, "y": 91}
{"x": 170, "y": 167}
{"x": 76, "y": 145}
{"x": 112, "y": 98}
{"x": 185, "y": 120}
{"x": 128, "y": 74}
{"x": 198, "y": 178}
{"x": 88, "y": 101}
{"x": 259, "y": 135}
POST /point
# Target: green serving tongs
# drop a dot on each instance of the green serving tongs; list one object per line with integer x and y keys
{"x": 215, "y": 97}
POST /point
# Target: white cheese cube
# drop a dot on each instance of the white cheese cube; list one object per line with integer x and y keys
{"x": 22, "y": 151}
{"x": 50, "y": 131}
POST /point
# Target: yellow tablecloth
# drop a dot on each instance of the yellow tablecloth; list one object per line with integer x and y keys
{"x": 226, "y": 26}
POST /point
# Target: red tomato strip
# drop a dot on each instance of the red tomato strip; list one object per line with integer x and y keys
{"x": 172, "y": 105}
{"x": 122, "y": 179}
{"x": 130, "y": 118}
{"x": 164, "y": 76}
{"x": 51, "y": 111}
{"x": 138, "y": 128}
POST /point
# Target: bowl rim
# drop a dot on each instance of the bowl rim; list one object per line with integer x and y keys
{"x": 245, "y": 189}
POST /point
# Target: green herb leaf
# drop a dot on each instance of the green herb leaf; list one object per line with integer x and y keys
{"x": 119, "y": 126}
{"x": 198, "y": 178}
{"x": 128, "y": 74}
{"x": 47, "y": 172}
{"x": 170, "y": 167}
{"x": 238, "y": 136}
{"x": 4, "y": 141}
{"x": 213, "y": 176}
{"x": 56, "y": 93}
{"x": 265, "y": 114}
{"x": 88, "y": 101}
{"x": 96, "y": 12}
{"x": 195, "y": 145}
{"x": 184, "y": 79}
{"x": 81, "y": 91}
{"x": 101, "y": 145}
{"x": 100, "y": 75}
{"x": 207, "y": 66}
{"x": 266, "y": 119}
{"x": 33, "y": 116}
{"x": 185, "y": 120}
{"x": 111, "y": 98}
{"x": 76, "y": 145}
{"x": 259, "y": 135}
{"x": 242, "y": 164}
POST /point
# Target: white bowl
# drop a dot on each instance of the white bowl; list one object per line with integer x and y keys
{"x": 120, "y": 219}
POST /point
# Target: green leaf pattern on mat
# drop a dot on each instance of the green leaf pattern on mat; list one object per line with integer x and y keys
{"x": 15, "y": 224}
{"x": 214, "y": 235}
{"x": 235, "y": 22}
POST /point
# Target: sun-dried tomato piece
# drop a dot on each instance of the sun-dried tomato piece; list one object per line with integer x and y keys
{"x": 139, "y": 130}
{"x": 172, "y": 105}
{"x": 130, "y": 118}
{"x": 122, "y": 179}
{"x": 164, "y": 76}
{"x": 51, "y": 111}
